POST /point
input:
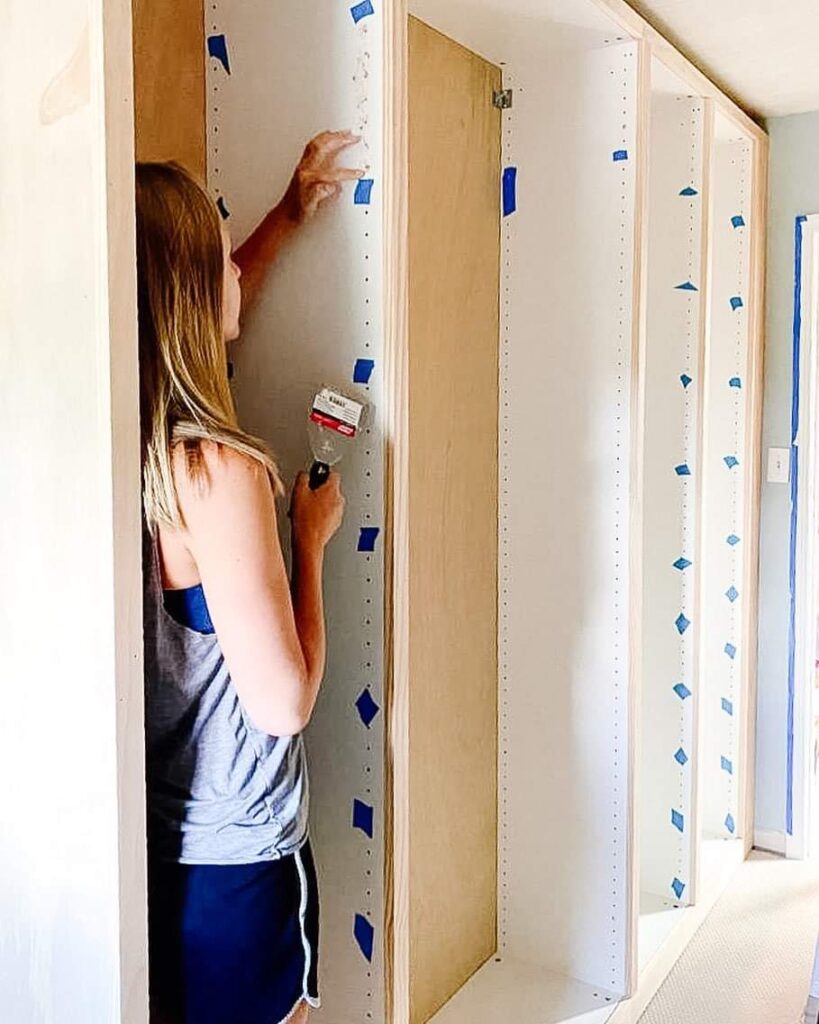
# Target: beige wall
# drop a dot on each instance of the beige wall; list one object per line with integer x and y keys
{"x": 72, "y": 934}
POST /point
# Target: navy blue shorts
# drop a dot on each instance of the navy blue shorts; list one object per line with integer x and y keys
{"x": 233, "y": 944}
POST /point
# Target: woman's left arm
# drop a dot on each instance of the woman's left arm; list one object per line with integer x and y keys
{"x": 316, "y": 181}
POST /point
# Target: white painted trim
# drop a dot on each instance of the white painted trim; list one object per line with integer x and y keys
{"x": 798, "y": 845}
{"x": 769, "y": 841}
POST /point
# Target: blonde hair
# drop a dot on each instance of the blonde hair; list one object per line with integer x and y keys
{"x": 184, "y": 392}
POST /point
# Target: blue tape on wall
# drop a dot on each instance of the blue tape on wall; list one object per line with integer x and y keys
{"x": 727, "y": 706}
{"x": 678, "y": 821}
{"x": 731, "y": 651}
{"x": 217, "y": 48}
{"x": 732, "y": 594}
{"x": 367, "y": 538}
{"x": 732, "y": 539}
{"x": 367, "y": 708}
{"x": 362, "y": 10}
{"x": 686, "y": 380}
{"x": 365, "y": 936}
{"x": 730, "y": 824}
{"x": 731, "y": 461}
{"x": 686, "y": 286}
{"x": 682, "y": 469}
{"x": 682, "y": 691}
{"x": 681, "y": 757}
{"x": 363, "y": 817}
{"x": 363, "y": 191}
{"x": 795, "y": 368}
{"x": 726, "y": 765}
{"x": 510, "y": 190}
{"x": 363, "y": 370}
{"x": 738, "y": 221}
{"x": 736, "y": 302}
{"x": 689, "y": 192}
{"x": 682, "y": 623}
{"x": 678, "y": 887}
{"x": 682, "y": 564}
{"x": 619, "y": 154}
{"x": 735, "y": 382}
{"x": 221, "y": 206}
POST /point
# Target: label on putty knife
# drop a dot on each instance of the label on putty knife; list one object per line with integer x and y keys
{"x": 337, "y": 412}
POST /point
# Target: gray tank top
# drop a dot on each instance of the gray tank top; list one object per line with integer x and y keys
{"x": 220, "y": 791}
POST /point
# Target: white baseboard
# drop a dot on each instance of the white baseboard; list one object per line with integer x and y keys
{"x": 770, "y": 842}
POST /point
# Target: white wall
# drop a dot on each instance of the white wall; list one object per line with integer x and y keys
{"x": 794, "y": 190}
{"x": 70, "y": 602}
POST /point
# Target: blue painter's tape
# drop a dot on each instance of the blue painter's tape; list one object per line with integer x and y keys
{"x": 682, "y": 623}
{"x": 686, "y": 380}
{"x": 678, "y": 821}
{"x": 363, "y": 191}
{"x": 362, "y": 10}
{"x": 221, "y": 206}
{"x": 738, "y": 221}
{"x": 363, "y": 370}
{"x": 681, "y": 757}
{"x": 682, "y": 691}
{"x": 736, "y": 302}
{"x": 731, "y": 651}
{"x": 731, "y": 461}
{"x": 730, "y": 824}
{"x": 682, "y": 469}
{"x": 689, "y": 192}
{"x": 682, "y": 564}
{"x": 367, "y": 708}
{"x": 363, "y": 817}
{"x": 732, "y": 594}
{"x": 687, "y": 286}
{"x": 217, "y": 48}
{"x": 367, "y": 538}
{"x": 726, "y": 765}
{"x": 365, "y": 936}
{"x": 510, "y": 190}
{"x": 735, "y": 382}
{"x": 678, "y": 887}
{"x": 727, "y": 706}
{"x": 732, "y": 539}
{"x": 794, "y": 524}
{"x": 619, "y": 154}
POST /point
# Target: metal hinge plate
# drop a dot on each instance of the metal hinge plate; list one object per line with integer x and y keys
{"x": 502, "y": 99}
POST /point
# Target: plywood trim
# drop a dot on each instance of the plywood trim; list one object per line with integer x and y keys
{"x": 756, "y": 345}
{"x": 638, "y": 376}
{"x": 169, "y": 82}
{"x": 396, "y": 491}
{"x": 665, "y": 51}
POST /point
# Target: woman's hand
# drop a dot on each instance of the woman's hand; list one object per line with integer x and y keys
{"x": 316, "y": 515}
{"x": 317, "y": 180}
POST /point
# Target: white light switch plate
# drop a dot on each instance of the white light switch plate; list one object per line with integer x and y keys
{"x": 779, "y": 465}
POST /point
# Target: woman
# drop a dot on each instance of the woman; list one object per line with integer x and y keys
{"x": 234, "y": 653}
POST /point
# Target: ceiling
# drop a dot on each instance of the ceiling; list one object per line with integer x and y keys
{"x": 764, "y": 53}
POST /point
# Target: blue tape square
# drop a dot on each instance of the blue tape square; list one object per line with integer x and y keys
{"x": 735, "y": 382}
{"x": 367, "y": 538}
{"x": 363, "y": 370}
{"x": 736, "y": 302}
{"x": 362, "y": 10}
{"x": 731, "y": 651}
{"x": 732, "y": 539}
{"x": 687, "y": 286}
{"x": 367, "y": 708}
{"x": 365, "y": 936}
{"x": 678, "y": 821}
{"x": 730, "y": 824}
{"x": 678, "y": 887}
{"x": 363, "y": 191}
{"x": 727, "y": 706}
{"x": 682, "y": 470}
{"x": 689, "y": 192}
{"x": 510, "y": 190}
{"x": 731, "y": 461}
{"x": 732, "y": 594}
{"x": 619, "y": 154}
{"x": 682, "y": 564}
{"x": 217, "y": 48}
{"x": 682, "y": 623}
{"x": 681, "y": 757}
{"x": 726, "y": 765}
{"x": 363, "y": 817}
{"x": 686, "y": 380}
{"x": 738, "y": 221}
{"x": 221, "y": 206}
{"x": 682, "y": 691}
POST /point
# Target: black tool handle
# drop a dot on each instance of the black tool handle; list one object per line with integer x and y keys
{"x": 319, "y": 474}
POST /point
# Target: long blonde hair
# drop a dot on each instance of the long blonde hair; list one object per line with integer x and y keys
{"x": 184, "y": 392}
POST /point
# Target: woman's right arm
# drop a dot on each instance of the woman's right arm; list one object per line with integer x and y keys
{"x": 273, "y": 642}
